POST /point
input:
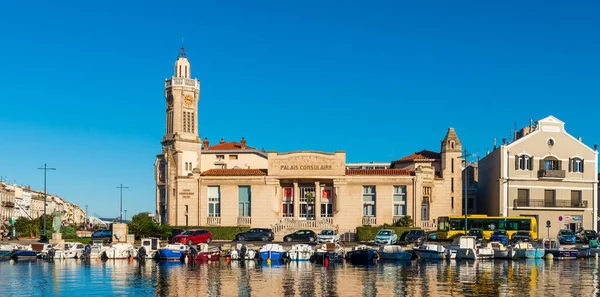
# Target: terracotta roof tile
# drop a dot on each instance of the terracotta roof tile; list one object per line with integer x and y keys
{"x": 232, "y": 145}
{"x": 378, "y": 172}
{"x": 235, "y": 172}
{"x": 424, "y": 154}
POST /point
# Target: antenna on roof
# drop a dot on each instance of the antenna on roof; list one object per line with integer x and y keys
{"x": 182, "y": 51}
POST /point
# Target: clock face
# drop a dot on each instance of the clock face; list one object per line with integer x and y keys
{"x": 188, "y": 100}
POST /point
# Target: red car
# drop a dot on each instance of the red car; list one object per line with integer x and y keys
{"x": 193, "y": 237}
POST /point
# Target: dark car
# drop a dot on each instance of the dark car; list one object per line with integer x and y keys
{"x": 193, "y": 237}
{"x": 478, "y": 233}
{"x": 256, "y": 234}
{"x": 301, "y": 235}
{"x": 432, "y": 235}
{"x": 585, "y": 236}
{"x": 524, "y": 236}
{"x": 415, "y": 236}
{"x": 500, "y": 236}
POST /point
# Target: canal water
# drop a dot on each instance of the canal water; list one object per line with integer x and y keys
{"x": 417, "y": 278}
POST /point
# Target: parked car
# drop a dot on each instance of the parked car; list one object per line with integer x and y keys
{"x": 585, "y": 236}
{"x": 432, "y": 235}
{"x": 500, "y": 235}
{"x": 415, "y": 236}
{"x": 524, "y": 236}
{"x": 328, "y": 235}
{"x": 175, "y": 232}
{"x": 256, "y": 234}
{"x": 566, "y": 236}
{"x": 477, "y": 233}
{"x": 193, "y": 237}
{"x": 301, "y": 235}
{"x": 102, "y": 233}
{"x": 386, "y": 236}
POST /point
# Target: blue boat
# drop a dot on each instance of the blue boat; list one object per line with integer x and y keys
{"x": 362, "y": 255}
{"x": 173, "y": 251}
{"x": 332, "y": 252}
{"x": 24, "y": 254}
{"x": 552, "y": 247}
{"x": 273, "y": 252}
{"x": 5, "y": 254}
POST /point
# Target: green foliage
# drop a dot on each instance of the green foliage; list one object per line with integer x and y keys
{"x": 218, "y": 232}
{"x": 83, "y": 240}
{"x": 405, "y": 221}
{"x": 142, "y": 217}
{"x": 142, "y": 225}
{"x": 367, "y": 233}
{"x": 33, "y": 228}
{"x": 160, "y": 231}
{"x": 68, "y": 232}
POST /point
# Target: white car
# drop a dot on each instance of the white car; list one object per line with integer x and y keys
{"x": 328, "y": 235}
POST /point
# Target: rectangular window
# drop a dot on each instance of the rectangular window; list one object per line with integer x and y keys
{"x": 244, "y": 201}
{"x": 452, "y": 202}
{"x": 186, "y": 208}
{"x": 369, "y": 201}
{"x": 192, "y": 120}
{"x": 452, "y": 165}
{"x": 523, "y": 197}
{"x": 576, "y": 200}
{"x": 186, "y": 220}
{"x": 399, "y": 201}
{"x": 425, "y": 209}
{"x": 220, "y": 157}
{"x": 452, "y": 185}
{"x": 233, "y": 157}
{"x": 287, "y": 207}
{"x": 214, "y": 201}
{"x": 549, "y": 198}
{"x": 326, "y": 202}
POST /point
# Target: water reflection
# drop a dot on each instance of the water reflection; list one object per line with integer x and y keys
{"x": 418, "y": 278}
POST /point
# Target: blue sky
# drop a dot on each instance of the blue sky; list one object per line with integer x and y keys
{"x": 82, "y": 82}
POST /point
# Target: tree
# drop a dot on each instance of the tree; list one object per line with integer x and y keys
{"x": 142, "y": 217}
{"x": 405, "y": 221}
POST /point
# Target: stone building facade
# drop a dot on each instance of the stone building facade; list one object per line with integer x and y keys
{"x": 544, "y": 173}
{"x": 233, "y": 184}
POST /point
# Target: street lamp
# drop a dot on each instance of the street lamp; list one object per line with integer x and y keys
{"x": 121, "y": 187}
{"x": 125, "y": 214}
{"x": 45, "y": 168}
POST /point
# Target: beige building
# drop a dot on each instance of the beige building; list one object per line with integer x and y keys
{"x": 231, "y": 184}
{"x": 7, "y": 203}
{"x": 544, "y": 173}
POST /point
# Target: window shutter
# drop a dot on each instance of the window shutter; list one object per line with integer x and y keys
{"x": 516, "y": 162}
{"x": 570, "y": 164}
{"x": 582, "y": 162}
{"x": 542, "y": 164}
{"x": 530, "y": 163}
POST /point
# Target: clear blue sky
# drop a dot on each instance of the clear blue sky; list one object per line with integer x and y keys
{"x": 82, "y": 82}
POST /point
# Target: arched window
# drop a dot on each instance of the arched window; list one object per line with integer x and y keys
{"x": 576, "y": 164}
{"x": 551, "y": 163}
{"x": 524, "y": 162}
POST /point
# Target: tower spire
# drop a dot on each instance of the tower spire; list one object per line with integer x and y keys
{"x": 182, "y": 51}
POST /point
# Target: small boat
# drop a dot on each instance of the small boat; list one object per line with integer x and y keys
{"x": 7, "y": 249}
{"x": 272, "y": 252}
{"x": 501, "y": 251}
{"x": 452, "y": 249}
{"x": 527, "y": 250}
{"x": 67, "y": 250}
{"x": 119, "y": 251}
{"x": 592, "y": 250}
{"x": 96, "y": 249}
{"x": 552, "y": 247}
{"x": 203, "y": 253}
{"x": 25, "y": 253}
{"x": 242, "y": 252}
{"x": 301, "y": 252}
{"x": 470, "y": 251}
{"x": 329, "y": 253}
{"x": 173, "y": 251}
{"x": 362, "y": 254}
{"x": 394, "y": 252}
{"x": 149, "y": 248}
{"x": 430, "y": 251}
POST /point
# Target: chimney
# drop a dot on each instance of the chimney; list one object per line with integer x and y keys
{"x": 503, "y": 141}
{"x": 595, "y": 147}
{"x": 206, "y": 143}
{"x": 579, "y": 138}
{"x": 263, "y": 150}
{"x": 494, "y": 142}
{"x": 222, "y": 141}
{"x": 243, "y": 142}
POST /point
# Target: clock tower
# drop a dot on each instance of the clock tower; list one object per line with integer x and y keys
{"x": 177, "y": 167}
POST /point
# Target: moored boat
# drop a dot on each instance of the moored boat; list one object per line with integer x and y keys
{"x": 301, "y": 252}
{"x": 119, "y": 251}
{"x": 394, "y": 252}
{"x": 272, "y": 252}
{"x": 149, "y": 248}
{"x": 430, "y": 251}
{"x": 329, "y": 253}
{"x": 470, "y": 251}
{"x": 552, "y": 247}
{"x": 242, "y": 252}
{"x": 172, "y": 251}
{"x": 202, "y": 253}
{"x": 501, "y": 251}
{"x": 527, "y": 250}
{"x": 592, "y": 250}
{"x": 362, "y": 254}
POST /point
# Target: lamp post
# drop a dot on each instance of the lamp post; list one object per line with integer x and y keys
{"x": 125, "y": 214}
{"x": 121, "y": 187}
{"x": 45, "y": 168}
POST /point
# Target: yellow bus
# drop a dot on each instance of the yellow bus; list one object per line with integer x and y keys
{"x": 452, "y": 226}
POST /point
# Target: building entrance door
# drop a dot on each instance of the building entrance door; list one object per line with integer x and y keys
{"x": 307, "y": 203}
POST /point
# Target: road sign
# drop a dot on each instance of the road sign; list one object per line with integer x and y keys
{"x": 548, "y": 224}
{"x": 560, "y": 218}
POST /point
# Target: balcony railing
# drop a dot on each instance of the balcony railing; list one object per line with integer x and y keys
{"x": 428, "y": 225}
{"x": 369, "y": 221}
{"x": 557, "y": 203}
{"x": 213, "y": 221}
{"x": 329, "y": 220}
{"x": 180, "y": 81}
{"x": 9, "y": 204}
{"x": 244, "y": 221}
{"x": 551, "y": 173}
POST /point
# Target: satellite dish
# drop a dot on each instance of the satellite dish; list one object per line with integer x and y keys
{"x": 118, "y": 235}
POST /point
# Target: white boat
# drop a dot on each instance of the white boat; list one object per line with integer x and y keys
{"x": 452, "y": 249}
{"x": 119, "y": 251}
{"x": 470, "y": 251}
{"x": 68, "y": 250}
{"x": 150, "y": 248}
{"x": 242, "y": 252}
{"x": 173, "y": 251}
{"x": 394, "y": 252}
{"x": 501, "y": 251}
{"x": 301, "y": 252}
{"x": 430, "y": 251}
{"x": 96, "y": 249}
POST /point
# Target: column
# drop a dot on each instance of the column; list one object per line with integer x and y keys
{"x": 296, "y": 201}
{"x": 317, "y": 200}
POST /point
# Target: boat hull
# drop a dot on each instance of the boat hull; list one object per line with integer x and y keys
{"x": 332, "y": 257}
{"x": 561, "y": 254}
{"x": 429, "y": 254}
{"x": 206, "y": 256}
{"x": 402, "y": 255}
{"x": 534, "y": 253}
{"x": 24, "y": 254}
{"x": 272, "y": 255}
{"x": 362, "y": 256}
{"x": 300, "y": 255}
{"x": 166, "y": 254}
